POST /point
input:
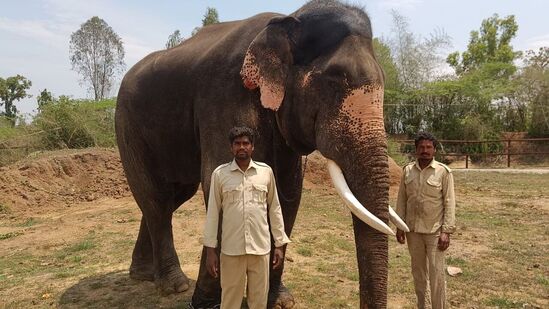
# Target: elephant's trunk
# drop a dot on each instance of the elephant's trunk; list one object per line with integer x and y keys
{"x": 371, "y": 189}
{"x": 356, "y": 142}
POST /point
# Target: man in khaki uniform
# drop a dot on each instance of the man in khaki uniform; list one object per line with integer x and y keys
{"x": 244, "y": 192}
{"x": 426, "y": 202}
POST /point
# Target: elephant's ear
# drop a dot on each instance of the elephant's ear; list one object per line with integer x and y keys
{"x": 268, "y": 59}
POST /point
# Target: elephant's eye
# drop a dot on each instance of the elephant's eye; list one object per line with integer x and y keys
{"x": 336, "y": 71}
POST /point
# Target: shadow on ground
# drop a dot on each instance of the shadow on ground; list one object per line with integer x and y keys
{"x": 117, "y": 290}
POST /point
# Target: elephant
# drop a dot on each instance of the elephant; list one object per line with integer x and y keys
{"x": 304, "y": 82}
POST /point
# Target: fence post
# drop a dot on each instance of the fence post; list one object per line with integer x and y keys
{"x": 466, "y": 161}
{"x": 508, "y": 153}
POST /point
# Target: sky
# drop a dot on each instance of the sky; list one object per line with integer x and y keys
{"x": 35, "y": 34}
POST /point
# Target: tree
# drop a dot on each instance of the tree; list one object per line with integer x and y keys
{"x": 45, "y": 97}
{"x": 385, "y": 59}
{"x": 174, "y": 39}
{"x": 13, "y": 89}
{"x": 210, "y": 17}
{"x": 410, "y": 63}
{"x": 417, "y": 59}
{"x": 492, "y": 43}
{"x": 534, "y": 79}
{"x": 392, "y": 86}
{"x": 97, "y": 54}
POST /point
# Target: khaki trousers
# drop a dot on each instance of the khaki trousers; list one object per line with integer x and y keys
{"x": 234, "y": 270}
{"x": 427, "y": 266}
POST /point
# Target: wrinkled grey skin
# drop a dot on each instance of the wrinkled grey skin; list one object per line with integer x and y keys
{"x": 305, "y": 81}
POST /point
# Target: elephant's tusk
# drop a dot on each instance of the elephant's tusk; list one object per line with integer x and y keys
{"x": 397, "y": 221}
{"x": 352, "y": 203}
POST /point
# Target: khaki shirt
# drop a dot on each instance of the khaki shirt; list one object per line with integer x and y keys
{"x": 426, "y": 199}
{"x": 247, "y": 200}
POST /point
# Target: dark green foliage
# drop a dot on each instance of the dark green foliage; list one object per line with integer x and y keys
{"x": 210, "y": 17}
{"x": 492, "y": 43}
{"x": 13, "y": 89}
{"x": 70, "y": 123}
{"x": 45, "y": 97}
{"x": 174, "y": 39}
{"x": 534, "y": 81}
{"x": 477, "y": 103}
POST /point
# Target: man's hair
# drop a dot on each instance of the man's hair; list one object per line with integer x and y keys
{"x": 422, "y": 135}
{"x": 236, "y": 132}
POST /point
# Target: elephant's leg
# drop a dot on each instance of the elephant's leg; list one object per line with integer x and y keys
{"x": 289, "y": 178}
{"x": 207, "y": 292}
{"x": 142, "y": 257}
{"x": 155, "y": 239}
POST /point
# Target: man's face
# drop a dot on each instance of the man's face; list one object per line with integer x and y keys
{"x": 242, "y": 148}
{"x": 425, "y": 150}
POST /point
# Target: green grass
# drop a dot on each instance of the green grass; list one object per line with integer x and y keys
{"x": 304, "y": 250}
{"x": 543, "y": 280}
{"x": 10, "y": 235}
{"x": 394, "y": 151}
{"x": 29, "y": 222}
{"x": 4, "y": 209}
{"x": 500, "y": 302}
{"x": 453, "y": 261}
{"x": 500, "y": 245}
{"x": 84, "y": 245}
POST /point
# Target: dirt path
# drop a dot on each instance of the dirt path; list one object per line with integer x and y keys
{"x": 506, "y": 170}
{"x": 68, "y": 224}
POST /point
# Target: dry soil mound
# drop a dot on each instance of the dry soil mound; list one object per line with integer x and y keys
{"x": 68, "y": 177}
{"x": 62, "y": 178}
{"x": 316, "y": 173}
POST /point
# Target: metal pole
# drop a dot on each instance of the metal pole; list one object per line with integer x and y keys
{"x": 508, "y": 153}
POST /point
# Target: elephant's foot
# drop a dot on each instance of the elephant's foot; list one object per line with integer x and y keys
{"x": 142, "y": 271}
{"x": 206, "y": 299}
{"x": 175, "y": 281}
{"x": 281, "y": 298}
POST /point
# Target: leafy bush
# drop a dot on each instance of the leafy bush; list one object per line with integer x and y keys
{"x": 15, "y": 140}
{"x": 394, "y": 150}
{"x": 67, "y": 123}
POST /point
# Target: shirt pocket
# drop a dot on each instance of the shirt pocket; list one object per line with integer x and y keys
{"x": 409, "y": 182}
{"x": 433, "y": 187}
{"x": 231, "y": 194}
{"x": 259, "y": 193}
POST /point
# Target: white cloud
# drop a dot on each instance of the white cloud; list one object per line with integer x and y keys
{"x": 135, "y": 49}
{"x": 536, "y": 42}
{"x": 41, "y": 31}
{"x": 399, "y": 4}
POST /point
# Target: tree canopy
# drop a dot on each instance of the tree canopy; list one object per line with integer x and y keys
{"x": 174, "y": 39}
{"x": 97, "y": 54}
{"x": 45, "y": 97}
{"x": 210, "y": 17}
{"x": 534, "y": 90}
{"x": 492, "y": 43}
{"x": 13, "y": 89}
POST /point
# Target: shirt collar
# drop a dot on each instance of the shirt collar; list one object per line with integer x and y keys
{"x": 432, "y": 164}
{"x": 234, "y": 166}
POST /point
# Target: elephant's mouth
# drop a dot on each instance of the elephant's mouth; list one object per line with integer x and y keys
{"x": 356, "y": 207}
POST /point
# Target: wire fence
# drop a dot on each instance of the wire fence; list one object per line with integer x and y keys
{"x": 489, "y": 153}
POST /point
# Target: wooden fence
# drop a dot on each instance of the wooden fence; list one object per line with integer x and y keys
{"x": 537, "y": 148}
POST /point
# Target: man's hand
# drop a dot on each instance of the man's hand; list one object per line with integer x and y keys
{"x": 278, "y": 257}
{"x": 212, "y": 262}
{"x": 401, "y": 236}
{"x": 443, "y": 241}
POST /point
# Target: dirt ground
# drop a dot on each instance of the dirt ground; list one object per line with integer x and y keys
{"x": 68, "y": 223}
{"x": 50, "y": 200}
